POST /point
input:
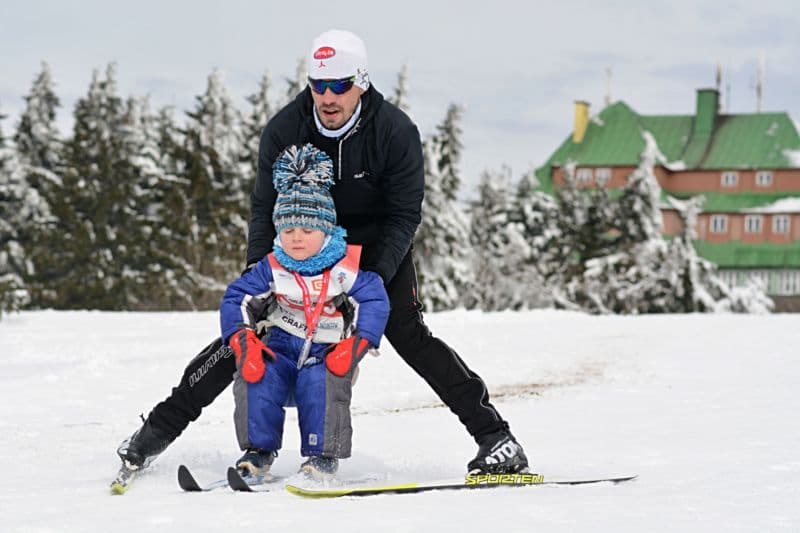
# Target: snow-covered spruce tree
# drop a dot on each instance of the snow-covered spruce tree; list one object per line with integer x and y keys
{"x": 448, "y": 136}
{"x": 639, "y": 205}
{"x": 155, "y": 275}
{"x": 501, "y": 254}
{"x": 749, "y": 298}
{"x": 261, "y": 110}
{"x": 643, "y": 273}
{"x": 213, "y": 149}
{"x": 20, "y": 207}
{"x": 539, "y": 215}
{"x": 295, "y": 85}
{"x": 630, "y": 278}
{"x": 587, "y": 229}
{"x": 696, "y": 284}
{"x": 37, "y": 138}
{"x": 173, "y": 209}
{"x": 135, "y": 173}
{"x": 441, "y": 245}
{"x": 84, "y": 264}
{"x": 400, "y": 95}
{"x": 40, "y": 150}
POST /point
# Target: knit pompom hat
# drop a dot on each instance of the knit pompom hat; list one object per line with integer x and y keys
{"x": 303, "y": 177}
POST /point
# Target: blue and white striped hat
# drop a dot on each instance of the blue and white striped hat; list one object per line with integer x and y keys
{"x": 303, "y": 177}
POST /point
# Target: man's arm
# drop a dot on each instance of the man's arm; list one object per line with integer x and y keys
{"x": 404, "y": 188}
{"x": 261, "y": 232}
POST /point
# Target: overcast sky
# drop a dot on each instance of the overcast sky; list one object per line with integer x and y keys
{"x": 516, "y": 67}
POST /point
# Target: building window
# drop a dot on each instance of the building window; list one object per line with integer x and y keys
{"x": 790, "y": 282}
{"x": 780, "y": 224}
{"x": 603, "y": 176}
{"x": 764, "y": 178}
{"x": 584, "y": 175}
{"x": 730, "y": 179}
{"x": 753, "y": 223}
{"x": 719, "y": 223}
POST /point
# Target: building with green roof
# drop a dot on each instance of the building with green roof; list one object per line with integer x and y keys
{"x": 747, "y": 166}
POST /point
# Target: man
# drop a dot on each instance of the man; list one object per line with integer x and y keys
{"x": 378, "y": 168}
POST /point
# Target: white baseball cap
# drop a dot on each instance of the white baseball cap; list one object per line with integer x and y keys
{"x": 337, "y": 54}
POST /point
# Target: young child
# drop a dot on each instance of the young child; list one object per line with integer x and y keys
{"x": 322, "y": 315}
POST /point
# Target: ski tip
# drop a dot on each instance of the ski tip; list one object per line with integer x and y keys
{"x": 316, "y": 493}
{"x": 186, "y": 480}
{"x": 123, "y": 480}
{"x": 236, "y": 482}
{"x": 183, "y": 472}
{"x": 250, "y": 483}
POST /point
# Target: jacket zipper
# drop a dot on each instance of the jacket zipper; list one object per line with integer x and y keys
{"x": 342, "y": 140}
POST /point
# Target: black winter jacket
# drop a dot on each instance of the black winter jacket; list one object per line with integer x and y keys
{"x": 378, "y": 172}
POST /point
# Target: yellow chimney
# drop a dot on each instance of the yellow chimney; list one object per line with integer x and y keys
{"x": 581, "y": 120}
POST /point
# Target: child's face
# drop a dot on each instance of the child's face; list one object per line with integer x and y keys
{"x": 301, "y": 243}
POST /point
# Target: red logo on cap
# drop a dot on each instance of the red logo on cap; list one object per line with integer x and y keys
{"x": 324, "y": 52}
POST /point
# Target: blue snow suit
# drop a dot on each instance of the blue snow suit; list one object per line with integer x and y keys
{"x": 270, "y": 292}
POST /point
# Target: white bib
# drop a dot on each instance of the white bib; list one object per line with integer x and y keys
{"x": 289, "y": 314}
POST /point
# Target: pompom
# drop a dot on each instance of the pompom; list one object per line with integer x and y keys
{"x": 302, "y": 166}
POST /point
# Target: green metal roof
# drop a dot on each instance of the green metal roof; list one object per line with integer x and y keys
{"x": 671, "y": 132}
{"x": 707, "y": 141}
{"x": 752, "y": 141}
{"x": 736, "y": 254}
{"x": 613, "y": 136}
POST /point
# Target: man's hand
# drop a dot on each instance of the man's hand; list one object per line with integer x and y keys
{"x": 346, "y": 355}
{"x": 250, "y": 352}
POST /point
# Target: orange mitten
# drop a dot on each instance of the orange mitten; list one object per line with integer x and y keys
{"x": 250, "y": 352}
{"x": 346, "y": 354}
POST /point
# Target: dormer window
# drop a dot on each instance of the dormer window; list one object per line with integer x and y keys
{"x": 764, "y": 178}
{"x": 730, "y": 178}
{"x": 584, "y": 175}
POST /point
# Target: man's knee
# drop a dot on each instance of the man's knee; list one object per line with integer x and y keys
{"x": 215, "y": 363}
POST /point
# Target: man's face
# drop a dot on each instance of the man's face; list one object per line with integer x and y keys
{"x": 334, "y": 110}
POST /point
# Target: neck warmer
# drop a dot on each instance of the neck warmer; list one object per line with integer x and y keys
{"x": 332, "y": 251}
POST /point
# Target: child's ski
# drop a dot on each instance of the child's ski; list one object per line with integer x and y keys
{"x": 188, "y": 483}
{"x": 491, "y": 481}
{"x": 249, "y": 483}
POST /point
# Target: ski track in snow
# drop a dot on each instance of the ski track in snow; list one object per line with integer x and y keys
{"x": 702, "y": 407}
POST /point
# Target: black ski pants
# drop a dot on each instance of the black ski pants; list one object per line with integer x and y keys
{"x": 461, "y": 389}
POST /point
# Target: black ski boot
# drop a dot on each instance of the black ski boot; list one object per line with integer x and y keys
{"x": 255, "y": 462}
{"x": 319, "y": 467}
{"x": 141, "y": 448}
{"x": 499, "y": 453}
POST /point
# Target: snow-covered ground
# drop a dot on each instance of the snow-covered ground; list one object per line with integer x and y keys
{"x": 703, "y": 407}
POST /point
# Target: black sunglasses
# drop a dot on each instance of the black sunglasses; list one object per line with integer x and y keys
{"x": 339, "y": 86}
